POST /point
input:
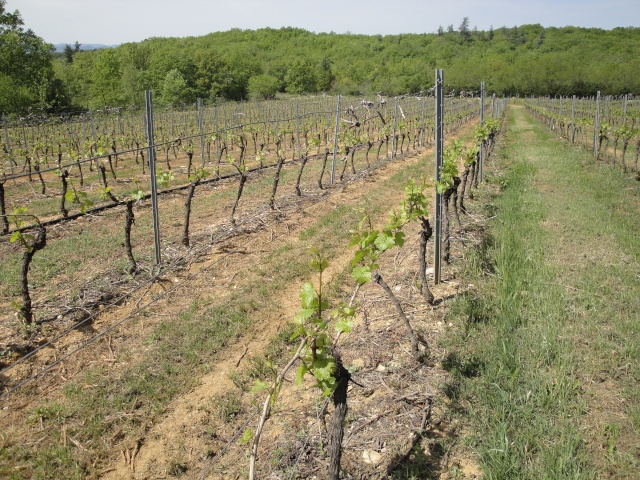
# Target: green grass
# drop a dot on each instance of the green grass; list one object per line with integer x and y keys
{"x": 547, "y": 320}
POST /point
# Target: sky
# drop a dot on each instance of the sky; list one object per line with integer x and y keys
{"x": 113, "y": 22}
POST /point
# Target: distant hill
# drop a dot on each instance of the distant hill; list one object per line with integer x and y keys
{"x": 59, "y": 47}
{"x": 237, "y": 64}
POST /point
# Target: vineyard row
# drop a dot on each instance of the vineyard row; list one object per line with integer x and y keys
{"x": 608, "y": 127}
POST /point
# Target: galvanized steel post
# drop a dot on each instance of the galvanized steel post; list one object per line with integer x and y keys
{"x": 596, "y": 126}
{"x": 395, "y": 123}
{"x": 439, "y": 129}
{"x": 93, "y": 130}
{"x": 298, "y": 126}
{"x": 201, "y": 132}
{"x": 8, "y": 143}
{"x": 335, "y": 140}
{"x": 424, "y": 107}
{"x": 152, "y": 173}
{"x": 173, "y": 123}
{"x": 573, "y": 119}
{"x": 482, "y": 145}
{"x": 215, "y": 130}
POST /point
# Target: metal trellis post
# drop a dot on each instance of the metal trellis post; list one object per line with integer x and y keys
{"x": 215, "y": 129}
{"x": 335, "y": 140}
{"x": 393, "y": 138}
{"x": 573, "y": 119}
{"x": 6, "y": 140}
{"x": 201, "y": 131}
{"x": 424, "y": 107}
{"x": 482, "y": 145}
{"x": 93, "y": 130}
{"x": 298, "y": 126}
{"x": 597, "y": 126}
{"x": 152, "y": 174}
{"x": 439, "y": 129}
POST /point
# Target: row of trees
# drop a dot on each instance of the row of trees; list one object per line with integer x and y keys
{"x": 240, "y": 64}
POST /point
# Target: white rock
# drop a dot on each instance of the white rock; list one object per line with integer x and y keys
{"x": 371, "y": 457}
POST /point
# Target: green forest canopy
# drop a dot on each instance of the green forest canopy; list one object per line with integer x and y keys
{"x": 27, "y": 75}
{"x": 240, "y": 64}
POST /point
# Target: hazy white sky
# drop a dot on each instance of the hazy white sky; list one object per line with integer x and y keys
{"x": 119, "y": 21}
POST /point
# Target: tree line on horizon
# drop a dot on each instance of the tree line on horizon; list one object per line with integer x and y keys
{"x": 245, "y": 64}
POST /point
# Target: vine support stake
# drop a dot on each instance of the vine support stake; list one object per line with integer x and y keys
{"x": 482, "y": 146}
{"x": 298, "y": 127}
{"x": 439, "y": 129}
{"x": 452, "y": 114}
{"x": 422, "y": 128}
{"x": 93, "y": 130}
{"x": 200, "y": 130}
{"x": 217, "y": 141}
{"x": 573, "y": 119}
{"x": 597, "y": 126}
{"x": 25, "y": 146}
{"x": 152, "y": 174}
{"x": 335, "y": 139}
{"x": 8, "y": 143}
{"x": 560, "y": 111}
{"x": 395, "y": 123}
{"x": 173, "y": 123}
{"x": 120, "y": 127}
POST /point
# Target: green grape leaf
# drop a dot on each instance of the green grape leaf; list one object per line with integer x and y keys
{"x": 246, "y": 436}
{"x": 361, "y": 275}
{"x": 322, "y": 340}
{"x": 359, "y": 255}
{"x": 384, "y": 241}
{"x": 308, "y": 296}
{"x": 137, "y": 195}
{"x": 302, "y": 370}
{"x": 299, "y": 331}
{"x": 329, "y": 390}
{"x": 323, "y": 368}
{"x": 343, "y": 311}
{"x": 344, "y": 324}
{"x": 370, "y": 239}
{"x": 259, "y": 386}
{"x": 319, "y": 264}
{"x": 304, "y": 314}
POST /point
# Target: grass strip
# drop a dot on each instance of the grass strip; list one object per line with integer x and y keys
{"x": 523, "y": 359}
